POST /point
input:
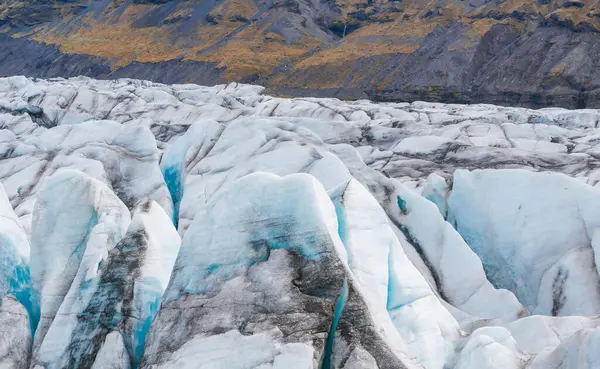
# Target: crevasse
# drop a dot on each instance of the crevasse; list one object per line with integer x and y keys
{"x": 337, "y": 314}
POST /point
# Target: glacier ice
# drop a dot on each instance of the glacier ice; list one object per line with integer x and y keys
{"x": 76, "y": 222}
{"x": 282, "y": 253}
{"x": 123, "y": 157}
{"x": 505, "y": 215}
{"x": 454, "y": 270}
{"x": 183, "y": 154}
{"x": 399, "y": 298}
{"x": 112, "y": 354}
{"x": 491, "y": 348}
{"x": 15, "y": 275}
{"x": 538, "y": 333}
{"x": 221, "y": 155}
{"x": 152, "y": 226}
{"x": 121, "y": 267}
{"x": 15, "y": 334}
{"x": 580, "y": 350}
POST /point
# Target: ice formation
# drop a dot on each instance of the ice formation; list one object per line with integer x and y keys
{"x": 152, "y": 226}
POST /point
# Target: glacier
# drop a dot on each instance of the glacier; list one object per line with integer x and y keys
{"x": 155, "y": 226}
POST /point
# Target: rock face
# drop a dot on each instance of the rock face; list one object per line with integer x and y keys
{"x": 514, "y": 52}
{"x": 152, "y": 226}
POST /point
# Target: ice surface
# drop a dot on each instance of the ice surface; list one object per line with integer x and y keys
{"x": 219, "y": 156}
{"x": 491, "y": 348}
{"x": 122, "y": 157}
{"x": 317, "y": 233}
{"x": 534, "y": 234}
{"x": 15, "y": 275}
{"x": 113, "y": 353}
{"x": 255, "y": 351}
{"x": 454, "y": 270}
{"x": 76, "y": 222}
{"x": 397, "y": 295}
{"x": 15, "y": 334}
{"x": 122, "y": 297}
{"x": 578, "y": 351}
{"x": 282, "y": 251}
{"x": 183, "y": 154}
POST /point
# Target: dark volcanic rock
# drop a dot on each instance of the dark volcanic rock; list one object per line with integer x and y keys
{"x": 32, "y": 59}
{"x": 173, "y": 71}
{"x": 29, "y": 58}
{"x": 573, "y": 3}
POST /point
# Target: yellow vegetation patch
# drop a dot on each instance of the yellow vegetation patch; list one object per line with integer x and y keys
{"x": 349, "y": 52}
{"x": 124, "y": 44}
{"x": 272, "y": 36}
{"x": 575, "y": 15}
{"x": 251, "y": 53}
{"x": 557, "y": 71}
{"x": 112, "y": 6}
{"x": 238, "y": 8}
{"x": 208, "y": 35}
{"x": 324, "y": 77}
{"x": 65, "y": 10}
{"x": 448, "y": 13}
{"x": 379, "y": 42}
{"x": 132, "y": 12}
{"x": 116, "y": 41}
{"x": 482, "y": 26}
{"x": 524, "y": 6}
{"x": 398, "y": 29}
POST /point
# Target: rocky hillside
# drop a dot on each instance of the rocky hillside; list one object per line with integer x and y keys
{"x": 514, "y": 52}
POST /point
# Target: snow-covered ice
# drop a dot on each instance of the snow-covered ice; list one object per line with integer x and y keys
{"x": 536, "y": 234}
{"x": 152, "y": 226}
{"x": 15, "y": 334}
{"x": 15, "y": 275}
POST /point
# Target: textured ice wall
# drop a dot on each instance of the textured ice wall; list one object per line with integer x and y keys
{"x": 316, "y": 233}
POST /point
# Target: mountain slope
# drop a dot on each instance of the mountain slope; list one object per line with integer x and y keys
{"x": 511, "y": 52}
